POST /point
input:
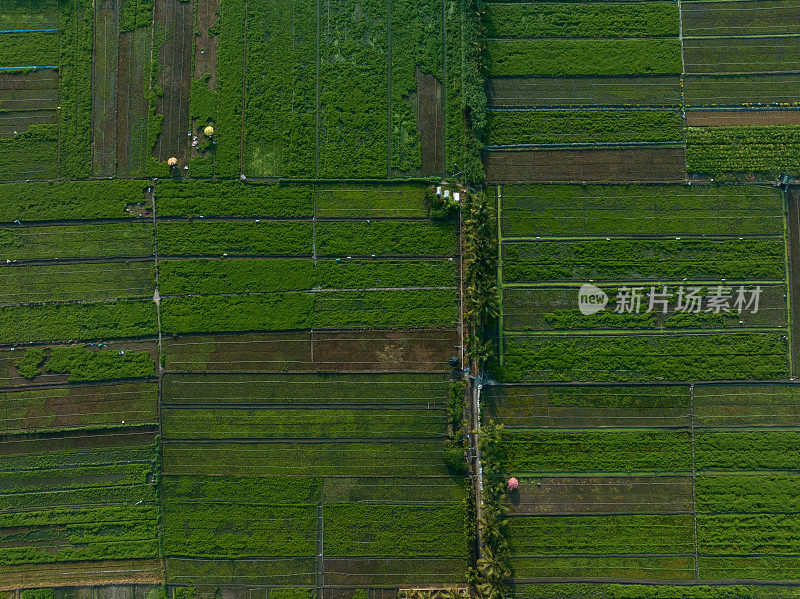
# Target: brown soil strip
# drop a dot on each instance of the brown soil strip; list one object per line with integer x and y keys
{"x": 620, "y": 165}
{"x": 793, "y": 222}
{"x": 72, "y": 574}
{"x": 104, "y": 88}
{"x": 722, "y": 118}
{"x": 124, "y": 104}
{"x": 175, "y": 58}
{"x": 206, "y": 46}
{"x": 430, "y": 122}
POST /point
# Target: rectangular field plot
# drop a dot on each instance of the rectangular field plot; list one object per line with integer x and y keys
{"x": 635, "y": 260}
{"x": 233, "y": 198}
{"x": 748, "y": 493}
{"x": 556, "y": 210}
{"x": 594, "y": 20}
{"x": 31, "y": 90}
{"x": 511, "y": 92}
{"x": 29, "y": 49}
{"x": 567, "y": 127}
{"x": 738, "y": 117}
{"x": 416, "y": 86}
{"x": 555, "y": 58}
{"x": 79, "y": 406}
{"x": 191, "y": 276}
{"x": 634, "y": 165}
{"x": 777, "y": 17}
{"x": 353, "y": 93}
{"x": 328, "y": 458}
{"x": 30, "y": 155}
{"x": 587, "y": 451}
{"x": 73, "y": 282}
{"x": 235, "y": 238}
{"x": 571, "y": 407}
{"x": 373, "y": 201}
{"x": 738, "y": 90}
{"x": 386, "y": 238}
{"x": 622, "y": 568}
{"x": 77, "y": 241}
{"x": 741, "y": 55}
{"x": 738, "y": 151}
{"x": 575, "y": 494}
{"x": 280, "y": 94}
{"x": 677, "y": 357}
{"x": 253, "y": 390}
{"x": 746, "y": 405}
{"x": 556, "y": 308}
{"x": 746, "y": 450}
{"x": 415, "y": 350}
{"x": 645, "y": 591}
{"x": 265, "y": 422}
{"x": 39, "y": 14}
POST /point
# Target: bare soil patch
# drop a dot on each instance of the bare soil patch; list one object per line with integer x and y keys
{"x": 430, "y": 122}
{"x": 722, "y": 118}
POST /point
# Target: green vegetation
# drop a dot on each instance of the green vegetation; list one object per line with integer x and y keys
{"x": 233, "y": 198}
{"x": 57, "y": 200}
{"x": 641, "y": 591}
{"x": 84, "y": 364}
{"x": 417, "y": 45}
{"x": 75, "y": 90}
{"x": 386, "y": 308}
{"x": 311, "y": 388}
{"x": 765, "y": 150}
{"x": 353, "y": 75}
{"x": 585, "y": 126}
{"x": 45, "y": 242}
{"x": 280, "y": 97}
{"x": 370, "y": 201}
{"x": 62, "y": 322}
{"x": 544, "y": 535}
{"x": 762, "y": 450}
{"x": 630, "y": 260}
{"x": 136, "y": 13}
{"x": 773, "y": 493}
{"x": 286, "y": 423}
{"x": 246, "y": 238}
{"x": 33, "y": 153}
{"x": 592, "y": 19}
{"x": 230, "y": 71}
{"x": 571, "y": 210}
{"x": 523, "y": 58}
{"x": 34, "y": 49}
{"x": 586, "y": 451}
{"x": 414, "y": 238}
{"x": 205, "y": 276}
{"x": 30, "y": 363}
{"x": 237, "y": 313}
{"x": 678, "y": 357}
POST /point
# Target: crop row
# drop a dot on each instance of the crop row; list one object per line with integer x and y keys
{"x": 292, "y": 238}
{"x": 267, "y": 275}
{"x": 86, "y": 282}
{"x": 420, "y": 458}
{"x": 302, "y": 310}
{"x": 34, "y": 49}
{"x": 286, "y": 423}
{"x": 524, "y": 58}
{"x": 601, "y": 19}
{"x": 590, "y": 126}
{"x": 766, "y": 150}
{"x": 648, "y": 591}
{"x": 284, "y": 490}
{"x": 77, "y": 241}
{"x": 230, "y": 72}
{"x": 233, "y": 198}
{"x": 628, "y": 260}
{"x": 615, "y": 567}
{"x": 311, "y": 388}
{"x": 763, "y": 54}
{"x": 723, "y": 356}
{"x": 543, "y": 535}
{"x": 74, "y": 91}
{"x": 640, "y": 210}
{"x": 33, "y": 153}
{"x": 630, "y": 451}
